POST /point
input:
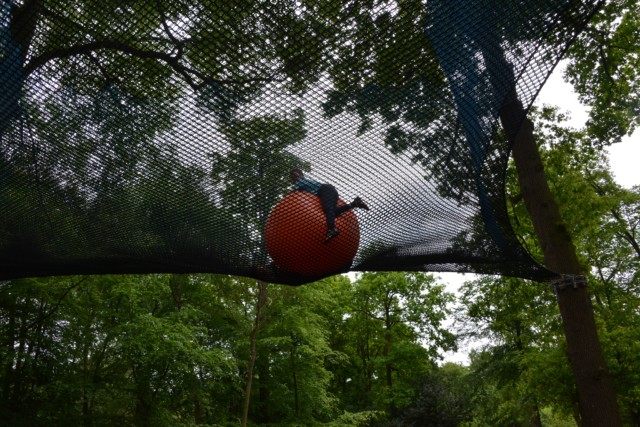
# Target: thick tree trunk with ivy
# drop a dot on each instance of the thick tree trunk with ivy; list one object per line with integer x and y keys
{"x": 596, "y": 395}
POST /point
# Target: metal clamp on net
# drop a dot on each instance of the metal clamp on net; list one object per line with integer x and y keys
{"x": 568, "y": 281}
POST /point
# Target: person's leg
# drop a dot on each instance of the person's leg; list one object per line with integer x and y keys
{"x": 357, "y": 203}
{"x": 342, "y": 209}
{"x": 329, "y": 199}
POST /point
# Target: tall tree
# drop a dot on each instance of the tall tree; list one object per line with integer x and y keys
{"x": 521, "y": 325}
{"x": 610, "y": 43}
{"x": 589, "y": 368}
{"x": 602, "y": 218}
{"x": 297, "y": 340}
{"x": 253, "y": 175}
{"x": 260, "y": 309}
{"x": 403, "y": 314}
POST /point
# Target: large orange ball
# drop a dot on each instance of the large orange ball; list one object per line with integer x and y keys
{"x": 294, "y": 235}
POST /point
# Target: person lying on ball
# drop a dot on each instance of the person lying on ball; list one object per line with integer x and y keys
{"x": 328, "y": 199}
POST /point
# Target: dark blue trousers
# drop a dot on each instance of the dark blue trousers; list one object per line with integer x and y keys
{"x": 329, "y": 199}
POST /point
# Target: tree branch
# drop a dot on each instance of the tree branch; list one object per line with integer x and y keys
{"x": 625, "y": 234}
{"x": 163, "y": 19}
{"x": 604, "y": 58}
{"x": 57, "y": 304}
{"x": 23, "y": 24}
{"x": 187, "y": 73}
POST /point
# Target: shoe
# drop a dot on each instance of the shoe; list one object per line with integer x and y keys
{"x": 331, "y": 233}
{"x": 358, "y": 203}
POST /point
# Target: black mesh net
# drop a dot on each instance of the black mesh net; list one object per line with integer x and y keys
{"x": 142, "y": 136}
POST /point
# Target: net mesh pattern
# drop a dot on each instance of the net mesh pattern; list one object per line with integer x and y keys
{"x": 158, "y": 136}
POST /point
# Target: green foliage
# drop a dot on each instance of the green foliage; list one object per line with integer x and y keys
{"x": 173, "y": 350}
{"x": 254, "y": 174}
{"x": 357, "y": 419}
{"x": 128, "y": 354}
{"x": 526, "y": 359}
{"x": 603, "y": 68}
{"x": 390, "y": 332}
{"x": 292, "y": 350}
{"x": 443, "y": 398}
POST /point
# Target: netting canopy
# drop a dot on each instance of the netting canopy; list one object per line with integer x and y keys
{"x": 142, "y": 136}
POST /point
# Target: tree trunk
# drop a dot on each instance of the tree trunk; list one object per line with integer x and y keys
{"x": 197, "y": 412}
{"x": 85, "y": 383}
{"x": 393, "y": 409}
{"x": 262, "y": 299}
{"x": 9, "y": 355}
{"x": 596, "y": 396}
{"x": 176, "y": 284}
{"x": 295, "y": 379}
{"x": 23, "y": 25}
{"x": 536, "y": 421}
{"x": 263, "y": 365}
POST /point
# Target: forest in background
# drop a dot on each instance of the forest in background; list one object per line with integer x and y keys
{"x": 173, "y": 350}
